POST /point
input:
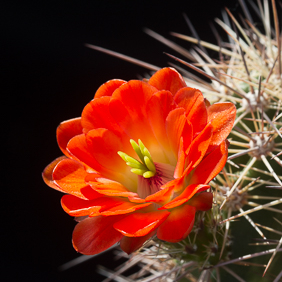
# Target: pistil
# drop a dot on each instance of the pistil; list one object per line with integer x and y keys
{"x": 145, "y": 166}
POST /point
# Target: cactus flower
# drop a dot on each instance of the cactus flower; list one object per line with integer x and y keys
{"x": 138, "y": 161}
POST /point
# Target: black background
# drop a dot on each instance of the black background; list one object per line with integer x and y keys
{"x": 49, "y": 76}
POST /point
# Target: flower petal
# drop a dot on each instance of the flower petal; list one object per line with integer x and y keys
{"x": 79, "y": 149}
{"x": 181, "y": 160}
{"x": 158, "y": 108}
{"x": 222, "y": 117}
{"x": 199, "y": 146}
{"x": 77, "y": 207}
{"x": 178, "y": 225}
{"x": 177, "y": 126}
{"x": 140, "y": 224}
{"x": 201, "y": 201}
{"x": 167, "y": 79}
{"x": 67, "y": 130}
{"x": 132, "y": 244}
{"x": 192, "y": 100}
{"x": 187, "y": 194}
{"x": 162, "y": 196}
{"x": 102, "y": 205}
{"x": 128, "y": 108}
{"x": 136, "y": 199}
{"x": 69, "y": 176}
{"x": 96, "y": 115}
{"x": 108, "y": 187}
{"x": 104, "y": 145}
{"x": 98, "y": 151}
{"x": 125, "y": 207}
{"x": 151, "y": 186}
{"x": 210, "y": 166}
{"x": 108, "y": 88}
{"x": 48, "y": 171}
{"x": 96, "y": 234}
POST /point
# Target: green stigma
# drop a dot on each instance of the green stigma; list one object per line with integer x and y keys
{"x": 145, "y": 166}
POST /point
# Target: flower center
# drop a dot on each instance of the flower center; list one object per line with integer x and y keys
{"x": 145, "y": 167}
{"x": 149, "y": 186}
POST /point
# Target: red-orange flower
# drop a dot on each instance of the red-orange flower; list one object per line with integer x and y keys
{"x": 138, "y": 160}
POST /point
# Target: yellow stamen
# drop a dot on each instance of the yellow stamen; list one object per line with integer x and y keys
{"x": 145, "y": 166}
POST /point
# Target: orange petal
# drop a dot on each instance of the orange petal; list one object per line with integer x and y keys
{"x": 148, "y": 187}
{"x": 167, "y": 79}
{"x": 96, "y": 115}
{"x": 109, "y": 87}
{"x": 85, "y": 192}
{"x": 192, "y": 101}
{"x": 67, "y": 130}
{"x": 69, "y": 176}
{"x": 177, "y": 126}
{"x": 140, "y": 224}
{"x": 128, "y": 108}
{"x": 199, "y": 146}
{"x": 102, "y": 205}
{"x": 48, "y": 171}
{"x": 79, "y": 149}
{"x": 78, "y": 207}
{"x": 104, "y": 145}
{"x": 210, "y": 166}
{"x": 222, "y": 117}
{"x": 180, "y": 160}
{"x": 108, "y": 187}
{"x": 136, "y": 199}
{"x": 201, "y": 201}
{"x": 96, "y": 234}
{"x": 187, "y": 194}
{"x": 90, "y": 193}
{"x": 158, "y": 108}
{"x": 178, "y": 225}
{"x": 125, "y": 207}
{"x": 177, "y": 184}
{"x": 161, "y": 196}
{"x": 132, "y": 244}
{"x": 99, "y": 206}
{"x": 187, "y": 134}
